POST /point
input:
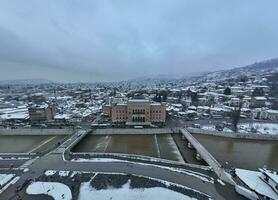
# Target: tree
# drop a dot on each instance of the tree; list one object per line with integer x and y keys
{"x": 194, "y": 98}
{"x": 227, "y": 91}
{"x": 164, "y": 95}
{"x": 243, "y": 78}
{"x": 235, "y": 115}
{"x": 114, "y": 91}
{"x": 258, "y": 92}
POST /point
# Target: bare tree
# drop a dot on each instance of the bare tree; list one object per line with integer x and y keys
{"x": 235, "y": 115}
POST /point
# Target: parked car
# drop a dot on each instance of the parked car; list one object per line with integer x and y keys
{"x": 196, "y": 125}
{"x": 20, "y": 187}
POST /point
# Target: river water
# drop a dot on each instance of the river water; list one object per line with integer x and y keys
{"x": 241, "y": 153}
{"x": 160, "y": 145}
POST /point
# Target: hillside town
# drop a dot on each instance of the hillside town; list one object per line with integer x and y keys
{"x": 192, "y": 102}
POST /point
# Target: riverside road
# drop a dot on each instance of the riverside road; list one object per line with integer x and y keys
{"x": 54, "y": 161}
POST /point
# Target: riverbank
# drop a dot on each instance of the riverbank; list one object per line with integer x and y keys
{"x": 249, "y": 136}
{"x": 35, "y": 131}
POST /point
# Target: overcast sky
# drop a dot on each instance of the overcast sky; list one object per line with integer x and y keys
{"x": 90, "y": 40}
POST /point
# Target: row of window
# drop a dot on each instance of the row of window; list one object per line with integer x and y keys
{"x": 120, "y": 111}
{"x": 138, "y": 111}
{"x": 155, "y": 116}
{"x": 155, "y": 111}
{"x": 138, "y": 119}
{"x": 121, "y": 117}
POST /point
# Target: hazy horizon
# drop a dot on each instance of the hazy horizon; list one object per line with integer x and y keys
{"x": 92, "y": 41}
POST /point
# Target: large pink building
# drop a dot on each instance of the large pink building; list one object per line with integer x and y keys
{"x": 137, "y": 111}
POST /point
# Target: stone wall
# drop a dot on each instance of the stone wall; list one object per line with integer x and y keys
{"x": 35, "y": 131}
{"x": 111, "y": 131}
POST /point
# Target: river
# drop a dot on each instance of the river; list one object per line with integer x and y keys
{"x": 241, "y": 153}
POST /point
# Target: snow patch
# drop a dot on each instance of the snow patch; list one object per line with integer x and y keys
{"x": 63, "y": 173}
{"x": 126, "y": 192}
{"x": 49, "y": 172}
{"x": 57, "y": 191}
{"x": 5, "y": 178}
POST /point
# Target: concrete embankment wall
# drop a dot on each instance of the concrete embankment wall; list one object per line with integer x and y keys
{"x": 111, "y": 131}
{"x": 252, "y": 136}
{"x": 32, "y": 131}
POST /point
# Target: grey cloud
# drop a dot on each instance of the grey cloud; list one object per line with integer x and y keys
{"x": 114, "y": 40}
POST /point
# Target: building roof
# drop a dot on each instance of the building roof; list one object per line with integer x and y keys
{"x": 260, "y": 98}
{"x": 138, "y": 100}
{"x": 274, "y": 177}
{"x": 138, "y": 97}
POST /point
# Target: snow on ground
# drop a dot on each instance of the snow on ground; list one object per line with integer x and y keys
{"x": 4, "y": 178}
{"x": 126, "y": 192}
{"x": 208, "y": 127}
{"x": 253, "y": 181}
{"x": 184, "y": 171}
{"x": 52, "y": 172}
{"x": 57, "y": 191}
{"x": 26, "y": 170}
{"x": 14, "y": 158}
{"x": 96, "y": 160}
{"x": 221, "y": 182}
{"x": 261, "y": 128}
{"x": 255, "y": 128}
{"x": 10, "y": 182}
{"x": 49, "y": 172}
{"x": 63, "y": 173}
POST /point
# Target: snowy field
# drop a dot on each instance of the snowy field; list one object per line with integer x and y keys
{"x": 255, "y": 128}
{"x": 126, "y": 192}
{"x": 57, "y": 191}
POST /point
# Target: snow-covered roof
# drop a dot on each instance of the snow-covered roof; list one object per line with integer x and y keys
{"x": 18, "y": 115}
{"x": 253, "y": 181}
{"x": 155, "y": 104}
{"x": 192, "y": 107}
{"x": 272, "y": 111}
{"x": 274, "y": 177}
{"x": 260, "y": 98}
{"x": 62, "y": 116}
{"x": 177, "y": 105}
{"x": 190, "y": 112}
{"x": 203, "y": 107}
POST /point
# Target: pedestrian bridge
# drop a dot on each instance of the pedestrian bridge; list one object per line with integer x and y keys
{"x": 206, "y": 156}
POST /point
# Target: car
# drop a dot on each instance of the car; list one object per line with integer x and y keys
{"x": 20, "y": 187}
{"x": 18, "y": 198}
{"x": 196, "y": 125}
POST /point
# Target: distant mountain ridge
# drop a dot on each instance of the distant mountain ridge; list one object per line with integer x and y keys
{"x": 256, "y": 68}
{"x": 25, "y": 82}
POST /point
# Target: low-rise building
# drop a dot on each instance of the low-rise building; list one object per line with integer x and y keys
{"x": 258, "y": 102}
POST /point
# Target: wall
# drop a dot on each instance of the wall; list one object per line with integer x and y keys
{"x": 110, "y": 131}
{"x": 32, "y": 131}
{"x": 234, "y": 135}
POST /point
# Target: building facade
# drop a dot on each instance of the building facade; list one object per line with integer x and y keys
{"x": 41, "y": 113}
{"x": 137, "y": 112}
